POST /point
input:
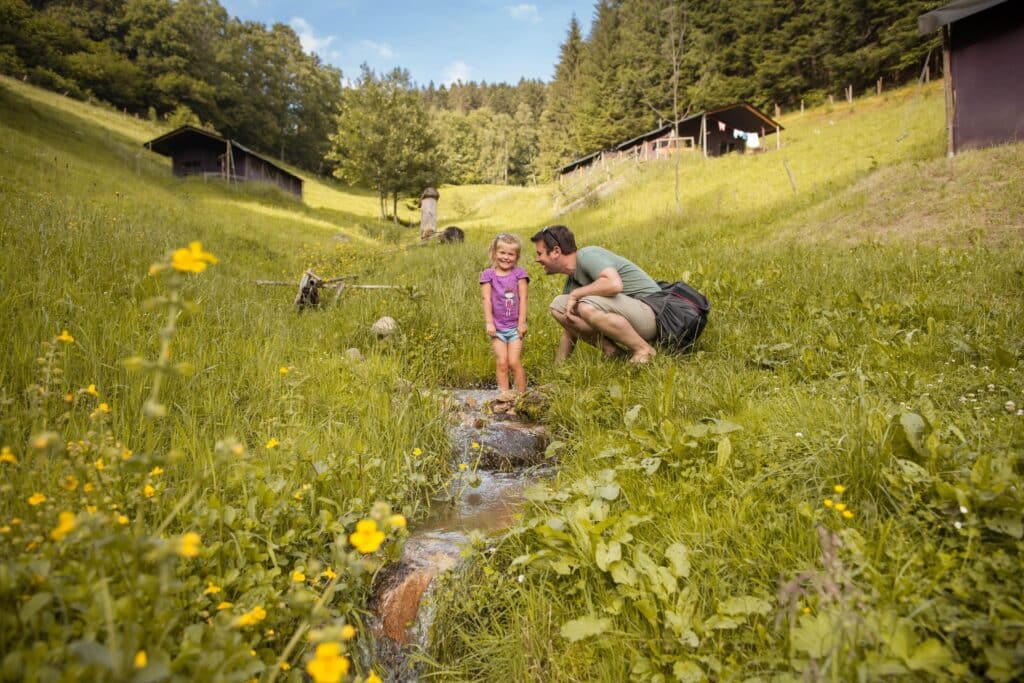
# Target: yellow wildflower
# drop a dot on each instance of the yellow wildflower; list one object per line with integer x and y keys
{"x": 156, "y": 471}
{"x": 463, "y": 466}
{"x": 65, "y": 337}
{"x": 193, "y": 259}
{"x": 328, "y": 665}
{"x": 328, "y": 573}
{"x": 5, "y": 529}
{"x": 36, "y": 498}
{"x": 121, "y": 519}
{"x": 91, "y": 509}
{"x": 838, "y": 488}
{"x": 348, "y": 632}
{"x": 88, "y": 488}
{"x": 373, "y": 678}
{"x": 15, "y": 521}
{"x": 848, "y": 514}
{"x": 283, "y": 370}
{"x": 475, "y": 446}
{"x": 285, "y": 666}
{"x": 252, "y": 617}
{"x": 829, "y": 503}
{"x": 397, "y": 521}
{"x": 43, "y": 441}
{"x": 70, "y": 398}
{"x": 141, "y": 660}
{"x": 70, "y": 483}
{"x": 126, "y": 453}
{"x": 7, "y": 456}
{"x": 92, "y": 391}
{"x": 298, "y": 577}
{"x": 417, "y": 451}
{"x": 100, "y": 465}
{"x": 223, "y": 605}
{"x": 65, "y": 525}
{"x": 366, "y": 537}
{"x": 148, "y": 491}
{"x": 840, "y": 507}
{"x": 211, "y": 589}
{"x": 272, "y": 443}
{"x": 189, "y": 544}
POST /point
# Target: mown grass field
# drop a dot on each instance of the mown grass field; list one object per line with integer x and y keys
{"x": 865, "y": 334}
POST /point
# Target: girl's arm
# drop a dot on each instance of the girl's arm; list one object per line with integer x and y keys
{"x": 524, "y": 287}
{"x": 485, "y": 289}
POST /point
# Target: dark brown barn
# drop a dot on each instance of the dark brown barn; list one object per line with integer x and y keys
{"x": 983, "y": 57}
{"x": 199, "y": 152}
{"x": 736, "y": 128}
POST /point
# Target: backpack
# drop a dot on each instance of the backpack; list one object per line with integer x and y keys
{"x": 680, "y": 312}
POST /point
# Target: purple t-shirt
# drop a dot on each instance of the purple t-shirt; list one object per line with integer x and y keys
{"x": 505, "y": 296}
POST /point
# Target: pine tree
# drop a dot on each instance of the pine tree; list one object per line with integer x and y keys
{"x": 555, "y": 145}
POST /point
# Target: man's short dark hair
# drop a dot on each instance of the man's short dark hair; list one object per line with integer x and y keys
{"x": 556, "y": 236}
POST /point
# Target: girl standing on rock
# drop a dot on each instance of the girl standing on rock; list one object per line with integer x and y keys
{"x": 504, "y": 298}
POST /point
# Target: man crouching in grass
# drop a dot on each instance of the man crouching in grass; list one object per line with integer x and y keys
{"x": 600, "y": 302}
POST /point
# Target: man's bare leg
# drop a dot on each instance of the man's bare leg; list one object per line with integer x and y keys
{"x": 578, "y": 328}
{"x": 616, "y": 328}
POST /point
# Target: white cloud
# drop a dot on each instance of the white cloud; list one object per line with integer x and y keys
{"x": 456, "y": 71}
{"x": 310, "y": 42}
{"x": 523, "y": 12}
{"x": 381, "y": 49}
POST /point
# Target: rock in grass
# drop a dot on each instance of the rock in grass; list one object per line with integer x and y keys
{"x": 354, "y": 353}
{"x": 384, "y": 327}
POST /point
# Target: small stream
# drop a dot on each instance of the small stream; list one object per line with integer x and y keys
{"x": 483, "y": 498}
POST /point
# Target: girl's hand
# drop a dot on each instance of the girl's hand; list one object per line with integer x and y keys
{"x": 492, "y": 331}
{"x": 521, "y": 327}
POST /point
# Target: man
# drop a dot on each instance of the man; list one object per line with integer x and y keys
{"x": 600, "y": 303}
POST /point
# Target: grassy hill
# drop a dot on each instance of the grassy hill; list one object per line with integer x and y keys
{"x": 864, "y": 351}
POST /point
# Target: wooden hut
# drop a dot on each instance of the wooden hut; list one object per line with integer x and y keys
{"x": 194, "y": 151}
{"x": 736, "y": 128}
{"x": 983, "y": 56}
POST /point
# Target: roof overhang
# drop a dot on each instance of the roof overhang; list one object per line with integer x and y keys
{"x": 955, "y": 11}
{"x": 166, "y": 143}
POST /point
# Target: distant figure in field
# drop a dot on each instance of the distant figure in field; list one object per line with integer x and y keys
{"x": 504, "y": 289}
{"x": 600, "y": 302}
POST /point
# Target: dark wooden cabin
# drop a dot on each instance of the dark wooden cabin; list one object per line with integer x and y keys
{"x": 736, "y": 128}
{"x": 194, "y": 151}
{"x": 983, "y": 57}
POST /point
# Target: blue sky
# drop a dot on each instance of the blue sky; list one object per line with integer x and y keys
{"x": 442, "y": 41}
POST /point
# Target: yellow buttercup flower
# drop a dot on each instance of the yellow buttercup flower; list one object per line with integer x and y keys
{"x": 65, "y": 525}
{"x": 328, "y": 665}
{"x": 36, "y": 498}
{"x": 189, "y": 544}
{"x": 70, "y": 483}
{"x": 366, "y": 537}
{"x": 100, "y": 465}
{"x": 298, "y": 577}
{"x": 193, "y": 259}
{"x": 121, "y": 519}
{"x": 211, "y": 589}
{"x": 92, "y": 391}
{"x": 848, "y": 514}
{"x": 252, "y": 617}
{"x": 328, "y": 573}
{"x": 475, "y": 446}
{"x": 285, "y": 666}
{"x": 373, "y": 678}
{"x": 838, "y": 488}
{"x": 91, "y": 509}
{"x": 88, "y": 488}
{"x": 840, "y": 507}
{"x": 272, "y": 443}
{"x": 463, "y": 466}
{"x": 829, "y": 503}
{"x": 148, "y": 491}
{"x": 224, "y": 605}
{"x": 283, "y": 370}
{"x": 417, "y": 451}
{"x": 65, "y": 337}
{"x": 348, "y": 632}
{"x": 7, "y": 456}
{"x": 397, "y": 521}
{"x": 156, "y": 471}
{"x": 141, "y": 660}
{"x": 70, "y": 398}
{"x": 125, "y": 453}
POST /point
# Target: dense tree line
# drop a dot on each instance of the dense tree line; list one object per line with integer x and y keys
{"x": 643, "y": 63}
{"x": 186, "y": 60}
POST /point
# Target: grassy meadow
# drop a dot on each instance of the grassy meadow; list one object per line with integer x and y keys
{"x": 199, "y": 482}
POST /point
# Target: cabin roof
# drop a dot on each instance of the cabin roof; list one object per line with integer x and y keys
{"x": 167, "y": 143}
{"x": 954, "y": 11}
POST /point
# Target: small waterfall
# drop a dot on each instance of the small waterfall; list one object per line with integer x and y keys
{"x": 483, "y": 500}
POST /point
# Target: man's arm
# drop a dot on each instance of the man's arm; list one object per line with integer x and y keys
{"x": 608, "y": 283}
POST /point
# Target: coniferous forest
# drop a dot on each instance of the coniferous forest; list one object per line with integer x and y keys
{"x": 641, "y": 63}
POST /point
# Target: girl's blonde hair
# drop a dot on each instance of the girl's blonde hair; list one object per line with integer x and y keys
{"x": 505, "y": 238}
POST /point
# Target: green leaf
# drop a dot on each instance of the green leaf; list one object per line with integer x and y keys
{"x": 744, "y": 605}
{"x": 721, "y": 623}
{"x": 813, "y": 635}
{"x": 608, "y": 492}
{"x": 623, "y": 573}
{"x": 688, "y": 671}
{"x": 605, "y": 554}
{"x": 585, "y": 627}
{"x": 678, "y": 557}
{"x": 724, "y": 452}
{"x": 630, "y": 417}
{"x": 91, "y": 652}
{"x": 34, "y": 604}
{"x": 1006, "y": 524}
{"x": 930, "y": 656}
{"x": 913, "y": 428}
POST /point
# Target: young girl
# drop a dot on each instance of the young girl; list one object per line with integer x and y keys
{"x": 504, "y": 299}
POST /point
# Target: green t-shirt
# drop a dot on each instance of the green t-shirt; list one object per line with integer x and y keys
{"x": 590, "y": 261}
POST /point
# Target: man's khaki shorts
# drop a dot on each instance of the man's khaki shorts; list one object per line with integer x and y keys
{"x": 636, "y": 312}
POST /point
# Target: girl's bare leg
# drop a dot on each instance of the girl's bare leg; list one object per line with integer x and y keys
{"x": 500, "y": 349}
{"x": 515, "y": 364}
